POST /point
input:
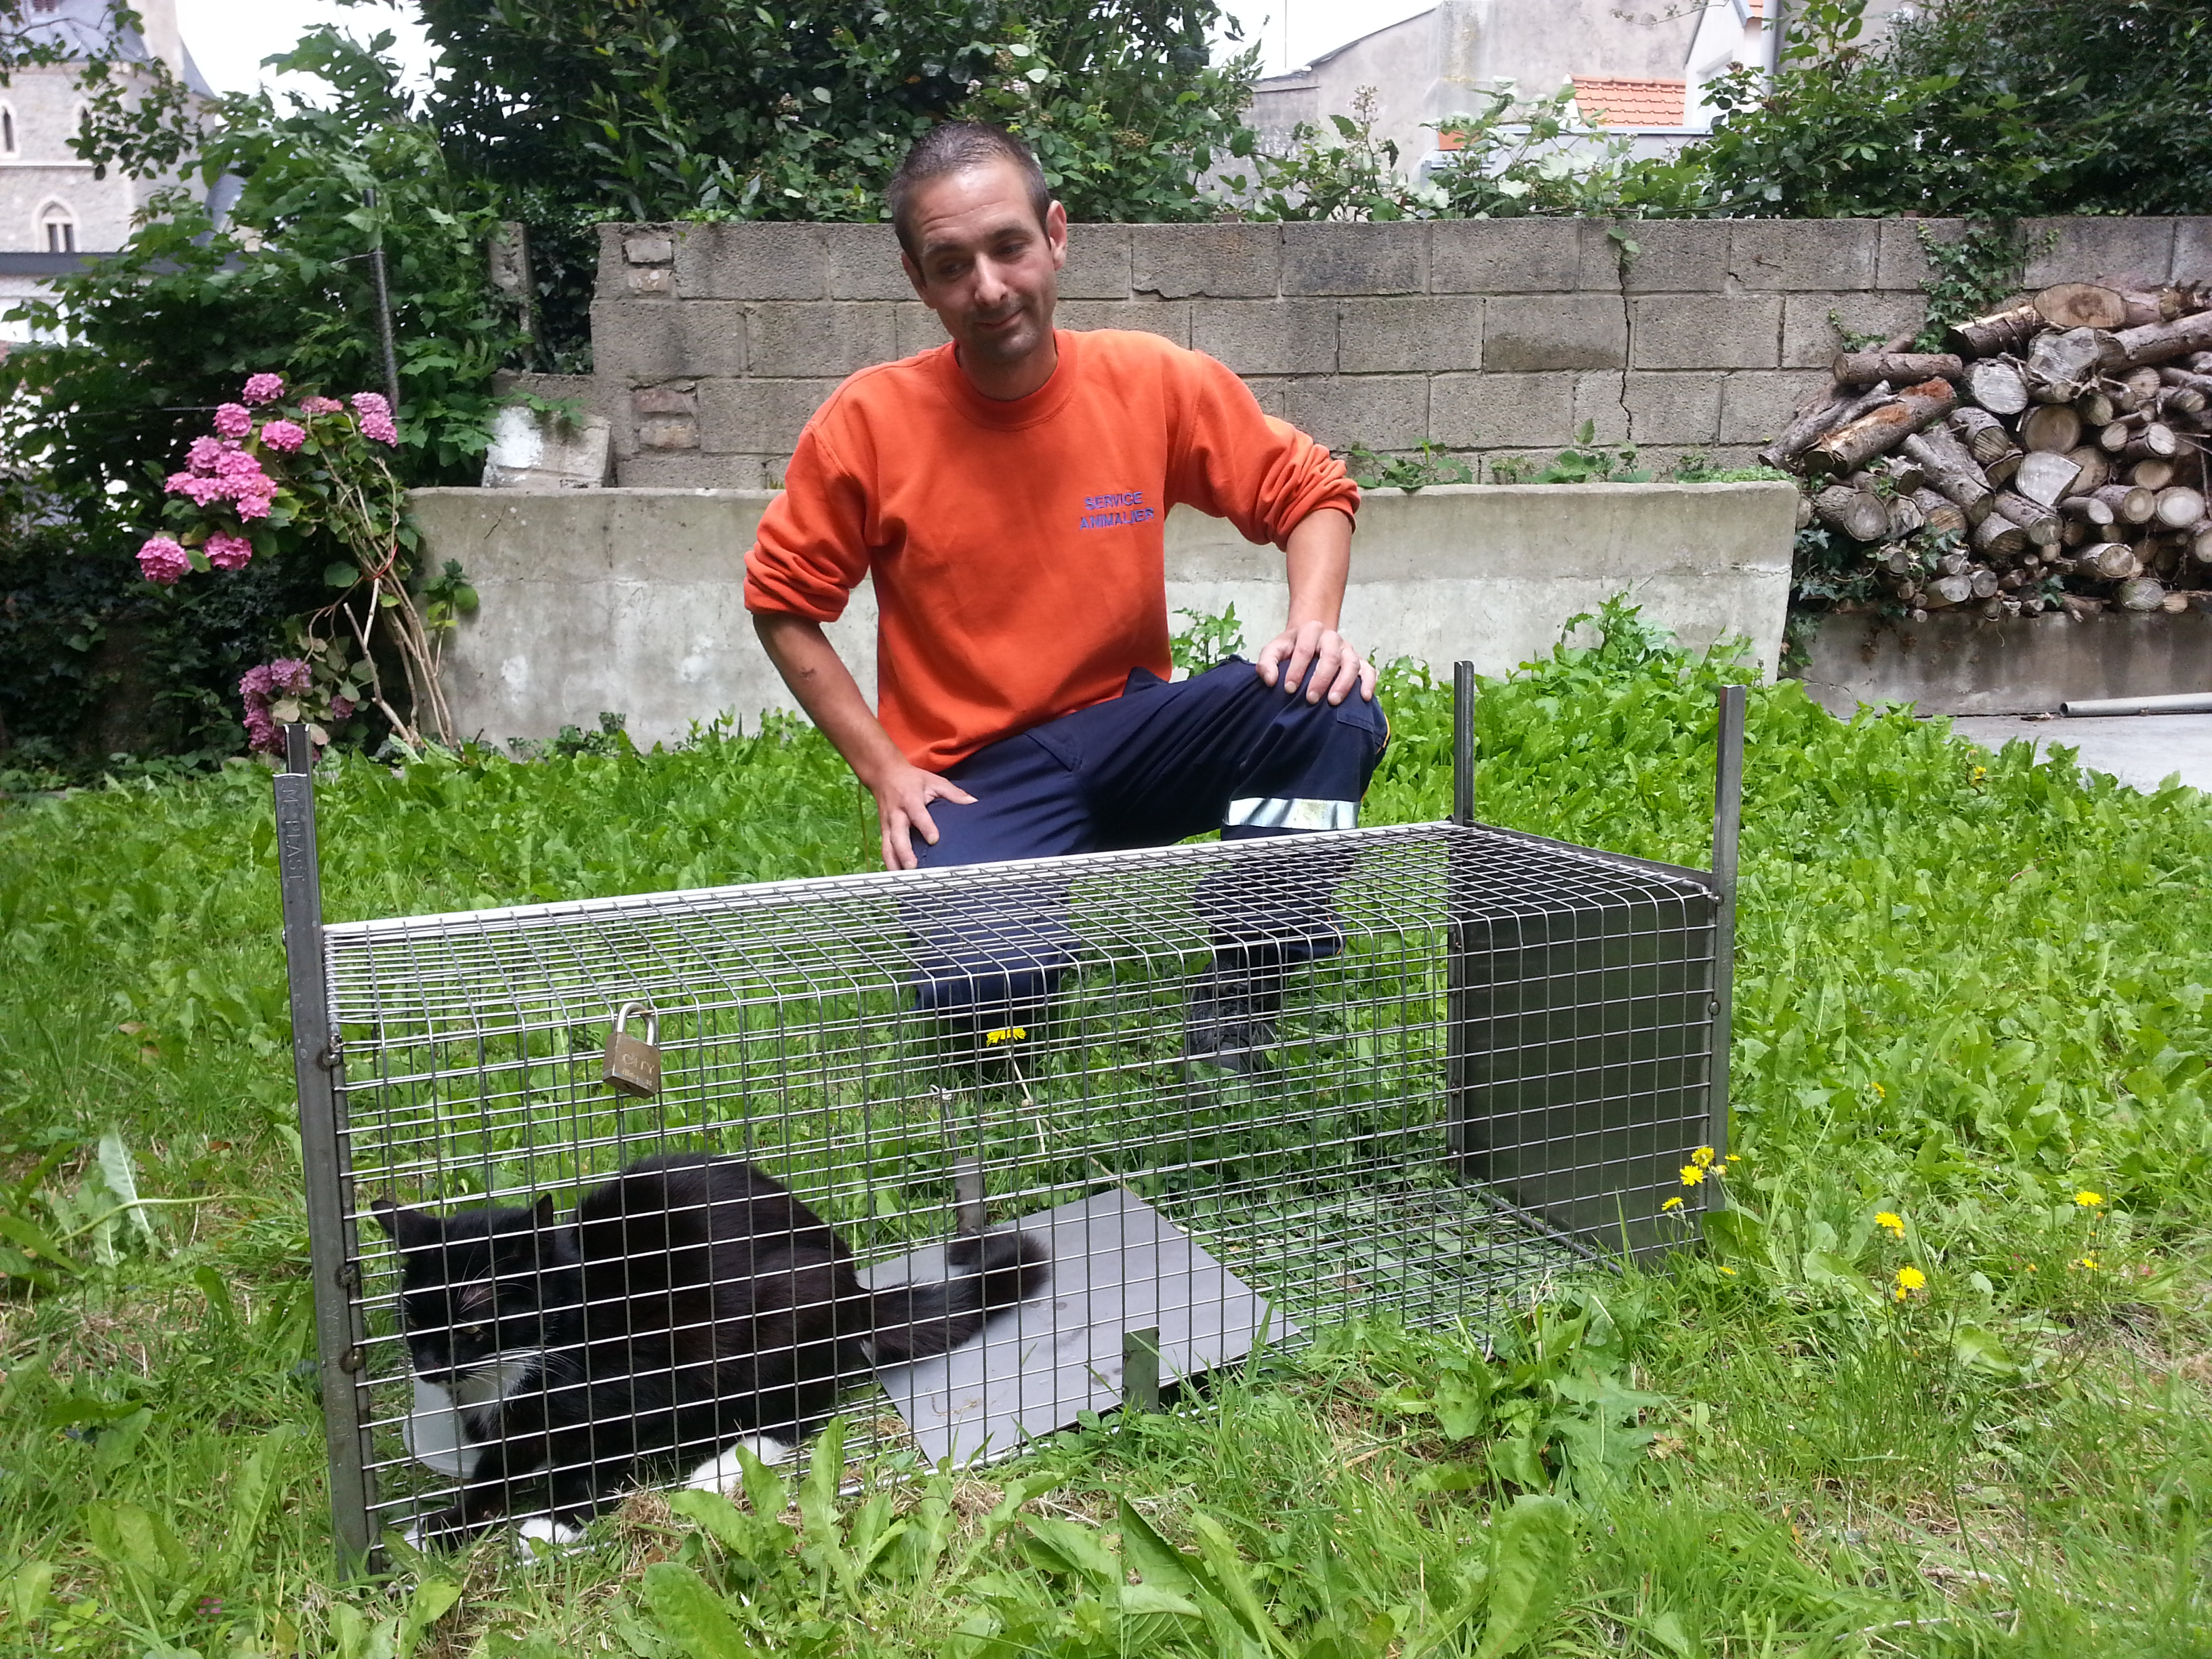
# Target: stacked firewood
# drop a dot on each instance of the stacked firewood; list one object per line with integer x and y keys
{"x": 2054, "y": 455}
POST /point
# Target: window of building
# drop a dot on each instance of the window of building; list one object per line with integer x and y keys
{"x": 7, "y": 130}
{"x": 45, "y": 5}
{"x": 57, "y": 229}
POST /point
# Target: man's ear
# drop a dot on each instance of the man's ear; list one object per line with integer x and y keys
{"x": 1055, "y": 234}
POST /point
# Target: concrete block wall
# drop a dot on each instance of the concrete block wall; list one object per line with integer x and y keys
{"x": 714, "y": 342}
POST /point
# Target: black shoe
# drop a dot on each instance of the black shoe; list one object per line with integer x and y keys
{"x": 1229, "y": 1018}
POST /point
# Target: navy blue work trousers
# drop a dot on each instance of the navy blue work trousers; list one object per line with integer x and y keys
{"x": 1159, "y": 764}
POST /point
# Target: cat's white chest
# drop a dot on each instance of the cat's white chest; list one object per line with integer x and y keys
{"x": 434, "y": 1433}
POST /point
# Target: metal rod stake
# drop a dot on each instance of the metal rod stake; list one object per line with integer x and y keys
{"x": 1141, "y": 1369}
{"x": 1727, "y": 823}
{"x": 339, "y": 1335}
{"x": 1464, "y": 744}
{"x": 384, "y": 312}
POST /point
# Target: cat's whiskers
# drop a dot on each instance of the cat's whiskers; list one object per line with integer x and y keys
{"x": 501, "y": 1376}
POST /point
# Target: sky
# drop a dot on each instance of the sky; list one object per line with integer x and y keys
{"x": 1295, "y": 32}
{"x": 229, "y": 38}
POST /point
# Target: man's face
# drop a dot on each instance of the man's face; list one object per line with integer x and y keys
{"x": 987, "y": 267}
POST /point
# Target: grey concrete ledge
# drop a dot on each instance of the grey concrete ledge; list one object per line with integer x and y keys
{"x": 1959, "y": 664}
{"x": 631, "y": 600}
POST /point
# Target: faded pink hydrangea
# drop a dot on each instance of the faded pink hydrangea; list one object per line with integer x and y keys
{"x": 342, "y": 708}
{"x": 261, "y": 686}
{"x": 380, "y": 427}
{"x": 227, "y": 552}
{"x": 319, "y": 406}
{"x": 163, "y": 560}
{"x": 367, "y": 403}
{"x": 232, "y": 420}
{"x": 263, "y": 388}
{"x": 283, "y": 436}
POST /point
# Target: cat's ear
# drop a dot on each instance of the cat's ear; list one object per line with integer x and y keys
{"x": 542, "y": 1211}
{"x": 405, "y": 1226}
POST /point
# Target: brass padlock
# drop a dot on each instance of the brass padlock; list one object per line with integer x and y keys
{"x": 633, "y": 1066}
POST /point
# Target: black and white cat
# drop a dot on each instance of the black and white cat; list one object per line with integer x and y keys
{"x": 693, "y": 1303}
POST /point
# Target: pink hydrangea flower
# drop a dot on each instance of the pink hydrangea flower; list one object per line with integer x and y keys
{"x": 237, "y": 464}
{"x": 232, "y": 420}
{"x": 342, "y": 708}
{"x": 263, "y": 388}
{"x": 227, "y": 552}
{"x": 285, "y": 435}
{"x": 380, "y": 427}
{"x": 369, "y": 403}
{"x": 163, "y": 560}
{"x": 205, "y": 453}
{"x": 319, "y": 406}
{"x": 251, "y": 506}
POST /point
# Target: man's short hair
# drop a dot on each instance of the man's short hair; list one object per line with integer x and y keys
{"x": 954, "y": 146}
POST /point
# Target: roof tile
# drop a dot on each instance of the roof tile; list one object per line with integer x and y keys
{"x": 1618, "y": 101}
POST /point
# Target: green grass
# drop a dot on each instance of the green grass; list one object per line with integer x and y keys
{"x": 1969, "y": 988}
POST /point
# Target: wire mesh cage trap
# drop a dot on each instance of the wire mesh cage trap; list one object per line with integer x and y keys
{"x": 601, "y": 1192}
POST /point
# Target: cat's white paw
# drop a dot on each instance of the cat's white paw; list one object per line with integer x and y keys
{"x": 724, "y": 1472}
{"x": 558, "y": 1537}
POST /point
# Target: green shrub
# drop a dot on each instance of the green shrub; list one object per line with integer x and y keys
{"x": 142, "y": 347}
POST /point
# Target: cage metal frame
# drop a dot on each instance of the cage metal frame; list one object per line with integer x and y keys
{"x": 1479, "y": 1022}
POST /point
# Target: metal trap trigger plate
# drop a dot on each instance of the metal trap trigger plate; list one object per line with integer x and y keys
{"x": 1118, "y": 1266}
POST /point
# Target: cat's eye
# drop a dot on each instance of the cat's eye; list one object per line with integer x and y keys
{"x": 472, "y": 1330}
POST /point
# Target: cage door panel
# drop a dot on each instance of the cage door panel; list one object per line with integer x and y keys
{"x": 1582, "y": 1059}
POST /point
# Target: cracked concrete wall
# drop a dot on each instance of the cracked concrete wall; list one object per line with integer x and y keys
{"x": 714, "y": 342}
{"x": 633, "y": 600}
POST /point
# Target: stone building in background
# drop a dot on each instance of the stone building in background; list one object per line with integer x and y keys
{"x": 53, "y": 212}
{"x": 1638, "y": 70}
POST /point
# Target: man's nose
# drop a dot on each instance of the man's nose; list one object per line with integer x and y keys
{"x": 990, "y": 285}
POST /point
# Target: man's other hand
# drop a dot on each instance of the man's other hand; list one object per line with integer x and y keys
{"x": 1337, "y": 667}
{"x": 903, "y": 797}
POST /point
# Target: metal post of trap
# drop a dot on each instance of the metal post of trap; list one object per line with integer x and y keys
{"x": 1490, "y": 1067}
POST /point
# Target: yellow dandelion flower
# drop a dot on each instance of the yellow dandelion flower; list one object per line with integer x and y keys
{"x": 1703, "y": 1157}
{"x": 1735, "y": 1158}
{"x": 1672, "y": 1204}
{"x": 2090, "y": 1262}
{"x": 1005, "y": 1033}
{"x": 1881, "y": 1093}
{"x": 1980, "y": 772}
{"x": 2087, "y": 1200}
{"x": 1893, "y": 1221}
{"x": 1730, "y": 1271}
{"x": 1910, "y": 1278}
{"x": 1692, "y": 1174}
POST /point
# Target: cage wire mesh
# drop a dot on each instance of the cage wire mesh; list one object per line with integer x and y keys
{"x": 1232, "y": 1092}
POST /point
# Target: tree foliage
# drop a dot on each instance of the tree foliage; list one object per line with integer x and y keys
{"x": 1989, "y": 108}
{"x": 666, "y": 109}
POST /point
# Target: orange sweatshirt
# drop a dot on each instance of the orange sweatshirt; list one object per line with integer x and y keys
{"x": 1017, "y": 547}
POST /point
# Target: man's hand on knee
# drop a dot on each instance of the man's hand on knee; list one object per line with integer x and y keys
{"x": 1337, "y": 667}
{"x": 903, "y": 797}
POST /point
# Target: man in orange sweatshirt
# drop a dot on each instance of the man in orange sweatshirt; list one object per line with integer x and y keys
{"x": 1007, "y": 491}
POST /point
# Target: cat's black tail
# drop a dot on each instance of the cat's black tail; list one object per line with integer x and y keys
{"x": 995, "y": 1271}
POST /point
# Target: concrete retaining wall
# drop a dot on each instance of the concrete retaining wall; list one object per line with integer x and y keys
{"x": 1951, "y": 664}
{"x": 714, "y": 343}
{"x": 631, "y": 600}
